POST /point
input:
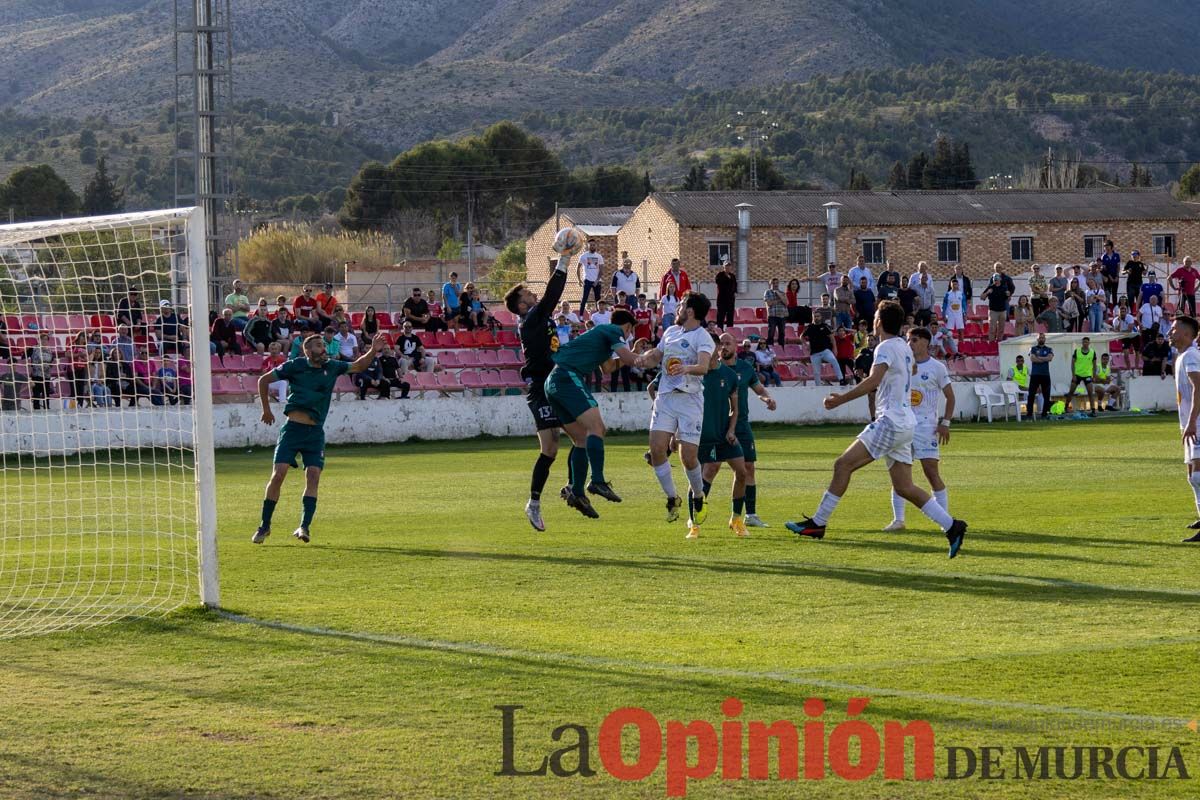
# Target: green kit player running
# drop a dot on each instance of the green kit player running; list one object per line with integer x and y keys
{"x": 718, "y": 444}
{"x": 310, "y": 380}
{"x": 576, "y": 409}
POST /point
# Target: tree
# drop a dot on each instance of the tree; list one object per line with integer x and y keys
{"x": 87, "y": 155}
{"x": 369, "y": 198}
{"x": 962, "y": 170}
{"x": 38, "y": 193}
{"x": 101, "y": 195}
{"x": 898, "y": 179}
{"x": 939, "y": 172}
{"x": 87, "y": 138}
{"x": 508, "y": 268}
{"x": 1189, "y": 183}
{"x": 647, "y": 186}
{"x": 735, "y": 173}
{"x": 697, "y": 179}
{"x": 916, "y": 170}
{"x": 858, "y": 180}
{"x": 451, "y": 250}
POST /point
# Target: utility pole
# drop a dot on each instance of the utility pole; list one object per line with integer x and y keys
{"x": 470, "y": 237}
{"x": 754, "y": 128}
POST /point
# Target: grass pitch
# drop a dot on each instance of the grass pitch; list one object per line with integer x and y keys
{"x": 1069, "y": 619}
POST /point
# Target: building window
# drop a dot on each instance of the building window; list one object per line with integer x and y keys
{"x": 797, "y": 253}
{"x": 718, "y": 252}
{"x": 947, "y": 251}
{"x": 1022, "y": 248}
{"x": 1164, "y": 244}
{"x": 874, "y": 251}
{"x": 1093, "y": 246}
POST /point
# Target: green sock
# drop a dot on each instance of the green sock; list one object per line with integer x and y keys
{"x": 268, "y": 512}
{"x": 310, "y": 508}
{"x": 751, "y": 499}
{"x": 595, "y": 456}
{"x": 579, "y": 469}
{"x": 738, "y": 504}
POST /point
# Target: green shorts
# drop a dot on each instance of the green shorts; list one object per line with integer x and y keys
{"x": 567, "y": 395}
{"x": 716, "y": 452}
{"x": 746, "y": 440}
{"x": 307, "y": 441}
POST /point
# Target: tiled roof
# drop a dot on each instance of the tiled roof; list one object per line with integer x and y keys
{"x": 608, "y": 215}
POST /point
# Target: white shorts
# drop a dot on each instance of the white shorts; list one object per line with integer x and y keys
{"x": 954, "y": 320}
{"x": 885, "y": 439}
{"x": 679, "y": 413}
{"x": 925, "y": 442}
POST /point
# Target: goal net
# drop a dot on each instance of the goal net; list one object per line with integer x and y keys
{"x": 106, "y": 472}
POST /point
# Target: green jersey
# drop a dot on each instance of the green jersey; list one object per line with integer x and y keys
{"x": 310, "y": 388}
{"x": 719, "y": 385}
{"x": 586, "y": 352}
{"x": 747, "y": 380}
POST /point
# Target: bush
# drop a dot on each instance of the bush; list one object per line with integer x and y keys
{"x": 298, "y": 254}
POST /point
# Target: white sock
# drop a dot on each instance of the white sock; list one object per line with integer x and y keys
{"x": 897, "y": 507}
{"x": 939, "y": 515}
{"x": 943, "y": 501}
{"x": 1194, "y": 480}
{"x": 696, "y": 481}
{"x": 663, "y": 473}
{"x": 825, "y": 510}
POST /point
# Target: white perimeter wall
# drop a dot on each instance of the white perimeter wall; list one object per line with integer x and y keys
{"x": 456, "y": 417}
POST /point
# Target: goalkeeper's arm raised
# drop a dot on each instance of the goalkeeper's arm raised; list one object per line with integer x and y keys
{"x": 554, "y": 289}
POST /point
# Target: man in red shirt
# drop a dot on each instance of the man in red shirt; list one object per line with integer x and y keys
{"x": 676, "y": 276}
{"x": 644, "y": 314}
{"x": 304, "y": 309}
{"x": 326, "y": 302}
{"x": 1187, "y": 277}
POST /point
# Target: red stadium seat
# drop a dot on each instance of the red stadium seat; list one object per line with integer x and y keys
{"x": 424, "y": 381}
{"x": 484, "y": 338}
{"x": 512, "y": 379}
{"x": 760, "y": 314}
{"x": 446, "y": 339}
{"x": 468, "y": 358}
{"x": 385, "y": 321}
{"x": 744, "y": 316}
{"x": 449, "y": 359}
{"x": 491, "y": 379}
{"x": 510, "y": 358}
{"x": 505, "y": 317}
{"x": 792, "y": 352}
{"x": 77, "y": 322}
{"x": 785, "y": 373}
{"x": 449, "y": 382}
{"x": 509, "y": 339}
{"x": 464, "y": 339}
{"x": 344, "y": 385}
{"x": 356, "y": 319}
{"x": 470, "y": 379}
{"x": 12, "y": 323}
{"x": 428, "y": 339}
{"x": 489, "y": 358}
{"x": 255, "y": 363}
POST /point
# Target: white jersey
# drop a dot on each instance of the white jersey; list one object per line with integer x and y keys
{"x": 927, "y": 385}
{"x": 592, "y": 264}
{"x": 688, "y": 347}
{"x": 893, "y": 398}
{"x": 1188, "y": 361}
{"x": 954, "y": 301}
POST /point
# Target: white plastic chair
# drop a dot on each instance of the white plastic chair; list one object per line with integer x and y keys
{"x": 1013, "y": 394}
{"x": 990, "y": 396}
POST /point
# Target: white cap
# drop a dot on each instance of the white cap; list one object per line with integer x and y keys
{"x": 164, "y": 303}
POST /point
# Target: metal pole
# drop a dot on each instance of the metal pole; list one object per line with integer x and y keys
{"x": 470, "y": 237}
{"x": 198, "y": 246}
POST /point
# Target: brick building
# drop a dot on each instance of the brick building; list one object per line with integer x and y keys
{"x": 789, "y": 231}
{"x": 600, "y": 224}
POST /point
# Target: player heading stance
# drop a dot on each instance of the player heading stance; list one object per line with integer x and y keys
{"x": 930, "y": 379}
{"x": 539, "y": 343}
{"x": 890, "y": 436}
{"x": 311, "y": 378}
{"x": 576, "y": 409}
{"x": 686, "y": 350}
{"x": 1187, "y": 388}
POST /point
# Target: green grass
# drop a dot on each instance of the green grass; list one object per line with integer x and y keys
{"x": 1072, "y": 592}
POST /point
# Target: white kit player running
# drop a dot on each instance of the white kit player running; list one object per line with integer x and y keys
{"x": 686, "y": 351}
{"x": 1187, "y": 390}
{"x": 889, "y": 437}
{"x": 930, "y": 381}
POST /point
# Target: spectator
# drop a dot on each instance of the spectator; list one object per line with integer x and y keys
{"x": 370, "y": 324}
{"x": 764, "y": 358}
{"x": 257, "y": 333}
{"x": 416, "y": 312}
{"x": 1134, "y": 271}
{"x": 1110, "y": 272}
{"x": 97, "y": 380}
{"x": 296, "y": 348}
{"x": 907, "y": 297}
{"x": 676, "y": 277}
{"x": 843, "y": 348}
{"x": 124, "y": 342}
{"x": 41, "y": 358}
{"x": 824, "y": 313}
{"x": 282, "y": 327}
{"x": 332, "y": 346}
{"x": 304, "y": 310}
{"x": 171, "y": 334}
{"x": 914, "y": 280}
{"x": 777, "y": 312}
{"x": 1095, "y": 278}
{"x": 1040, "y": 289}
{"x": 923, "y": 306}
{"x": 862, "y": 335}
{"x": 627, "y": 281}
{"x": 861, "y": 270}
{"x": 1073, "y": 307}
{"x": 942, "y": 343}
{"x": 571, "y": 316}
{"x": 964, "y": 283}
{"x": 1023, "y": 316}
{"x": 592, "y": 264}
{"x": 122, "y": 383}
{"x": 1040, "y": 357}
{"x": 997, "y": 295}
{"x": 451, "y": 294}
{"x": 792, "y": 294}
{"x": 726, "y": 280}
{"x": 864, "y": 302}
{"x": 1078, "y": 276}
{"x": 391, "y": 371}
{"x": 1058, "y": 286}
{"x": 843, "y": 303}
{"x": 240, "y": 303}
{"x": 1151, "y": 315}
{"x": 326, "y": 303}
{"x": 1151, "y": 288}
{"x": 889, "y": 285}
{"x": 276, "y": 358}
{"x": 562, "y": 329}
{"x": 411, "y": 348}
{"x": 224, "y": 335}
{"x": 832, "y": 278}
{"x": 471, "y": 310}
{"x": 1052, "y": 317}
{"x": 1183, "y": 280}
{"x": 77, "y": 369}
{"x": 1083, "y": 370}
{"x": 670, "y": 303}
{"x": 1125, "y": 322}
{"x": 1108, "y": 388}
{"x": 1095, "y": 309}
{"x": 131, "y": 313}
{"x": 347, "y": 342}
{"x": 646, "y": 315}
{"x": 954, "y": 305}
{"x": 338, "y": 317}
{"x": 1019, "y": 374}
{"x": 1155, "y": 355}
{"x": 603, "y": 315}
{"x": 95, "y": 342}
{"x": 820, "y": 345}
{"x": 261, "y": 310}
{"x": 370, "y": 378}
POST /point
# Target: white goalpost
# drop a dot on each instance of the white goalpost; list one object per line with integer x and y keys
{"x": 106, "y": 441}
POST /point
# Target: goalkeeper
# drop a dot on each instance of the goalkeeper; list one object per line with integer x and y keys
{"x": 310, "y": 378}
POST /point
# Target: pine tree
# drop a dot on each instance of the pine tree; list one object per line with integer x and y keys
{"x": 939, "y": 172}
{"x": 963, "y": 171}
{"x": 101, "y": 195}
{"x": 647, "y": 186}
{"x": 916, "y": 170}
{"x": 858, "y": 181}
{"x": 898, "y": 178}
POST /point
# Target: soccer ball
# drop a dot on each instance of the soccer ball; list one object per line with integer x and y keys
{"x": 569, "y": 241}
